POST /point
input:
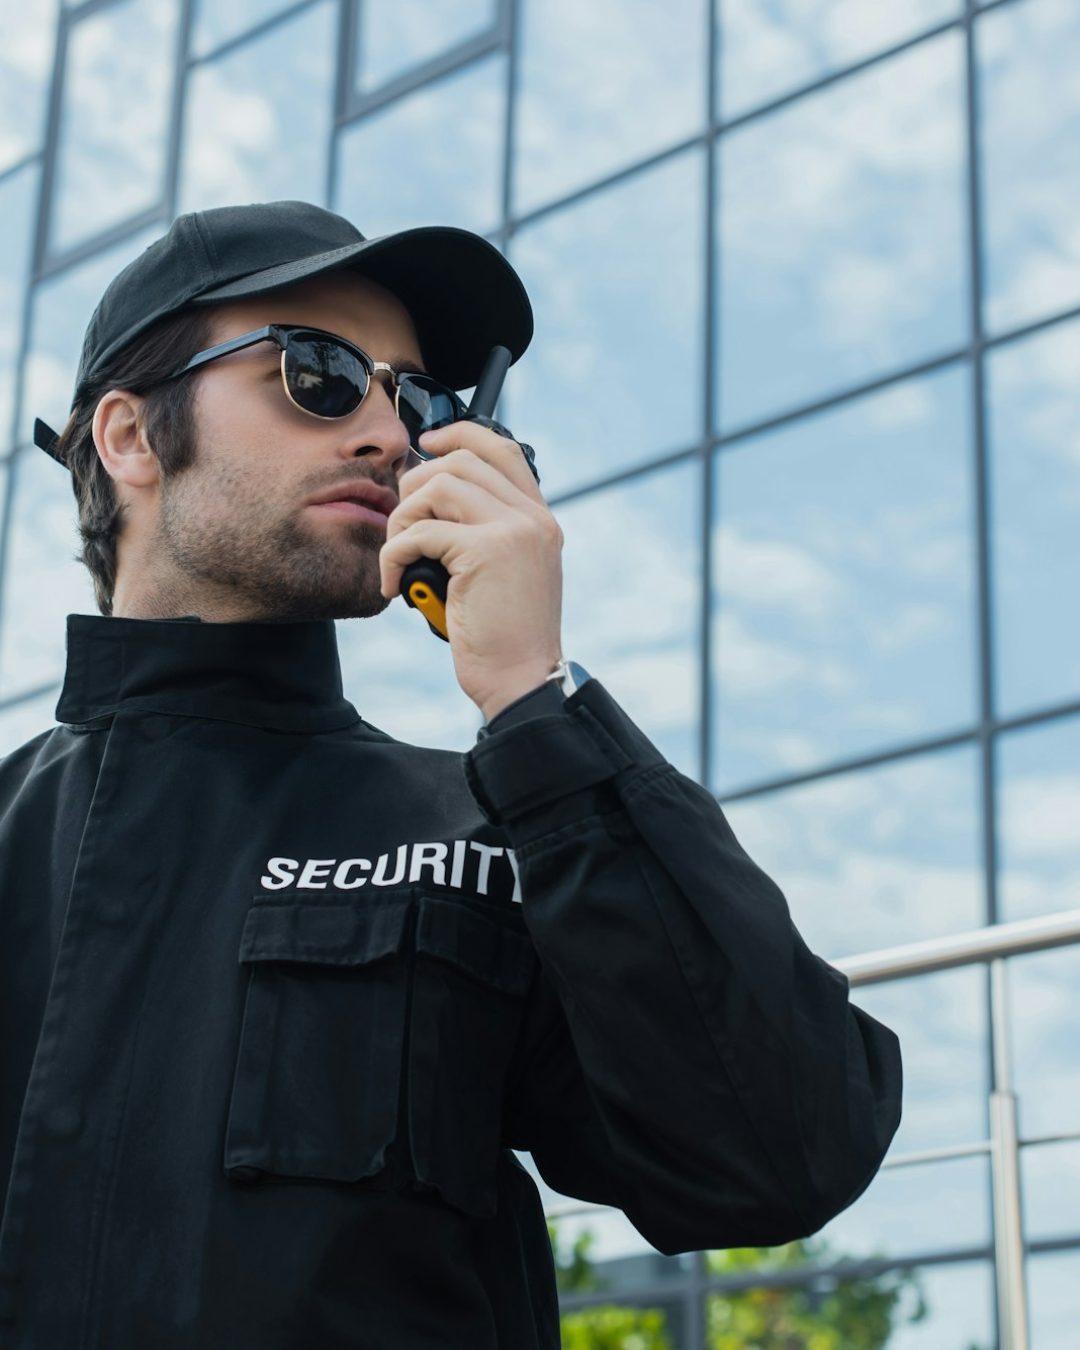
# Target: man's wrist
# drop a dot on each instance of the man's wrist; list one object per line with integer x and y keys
{"x": 511, "y": 690}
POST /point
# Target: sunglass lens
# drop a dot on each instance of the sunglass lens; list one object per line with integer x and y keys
{"x": 324, "y": 377}
{"x": 424, "y": 405}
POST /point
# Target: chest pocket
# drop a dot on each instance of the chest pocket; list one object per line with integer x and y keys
{"x": 366, "y": 1020}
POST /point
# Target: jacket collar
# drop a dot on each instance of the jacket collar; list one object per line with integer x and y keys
{"x": 283, "y": 676}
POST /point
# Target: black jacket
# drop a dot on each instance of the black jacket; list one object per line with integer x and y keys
{"x": 279, "y": 994}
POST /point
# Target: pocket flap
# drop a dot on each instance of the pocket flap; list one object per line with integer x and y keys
{"x": 482, "y": 947}
{"x": 344, "y": 934}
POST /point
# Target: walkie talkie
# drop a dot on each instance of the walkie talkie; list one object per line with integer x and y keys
{"x": 424, "y": 582}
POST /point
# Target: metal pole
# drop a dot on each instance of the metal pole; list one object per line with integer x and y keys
{"x": 1005, "y": 1180}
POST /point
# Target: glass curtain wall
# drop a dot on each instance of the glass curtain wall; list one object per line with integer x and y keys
{"x": 806, "y": 277}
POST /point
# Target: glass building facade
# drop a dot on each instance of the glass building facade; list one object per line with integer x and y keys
{"x": 803, "y": 390}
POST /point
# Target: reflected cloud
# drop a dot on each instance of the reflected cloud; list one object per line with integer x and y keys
{"x": 597, "y": 90}
{"x": 766, "y": 50}
{"x": 111, "y": 164}
{"x": 27, "y": 39}
{"x": 843, "y": 234}
{"x": 257, "y": 122}
{"x": 1030, "y": 119}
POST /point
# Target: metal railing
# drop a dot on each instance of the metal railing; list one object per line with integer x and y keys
{"x": 993, "y": 944}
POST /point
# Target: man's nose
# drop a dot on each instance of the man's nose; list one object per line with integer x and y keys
{"x": 378, "y": 426}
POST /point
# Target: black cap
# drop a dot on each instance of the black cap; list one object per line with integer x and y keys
{"x": 461, "y": 293}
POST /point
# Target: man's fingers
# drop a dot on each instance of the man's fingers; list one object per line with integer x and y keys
{"x": 448, "y": 496}
{"x": 504, "y": 455}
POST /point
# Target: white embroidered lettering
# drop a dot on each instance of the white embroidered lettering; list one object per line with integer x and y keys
{"x": 315, "y": 867}
{"x": 380, "y": 878}
{"x": 340, "y": 882}
{"x": 280, "y": 873}
{"x": 429, "y": 855}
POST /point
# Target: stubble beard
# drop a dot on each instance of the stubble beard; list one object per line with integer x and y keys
{"x": 270, "y": 567}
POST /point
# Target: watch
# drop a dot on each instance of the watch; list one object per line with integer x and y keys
{"x": 569, "y": 676}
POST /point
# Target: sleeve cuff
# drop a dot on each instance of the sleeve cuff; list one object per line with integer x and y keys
{"x": 546, "y": 698}
{"x": 537, "y": 752}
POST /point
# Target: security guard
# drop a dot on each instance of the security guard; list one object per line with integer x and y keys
{"x": 280, "y": 993}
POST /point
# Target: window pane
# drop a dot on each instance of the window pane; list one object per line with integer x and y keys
{"x": 18, "y": 210}
{"x": 875, "y": 858}
{"x": 1051, "y": 1190}
{"x": 23, "y": 721}
{"x": 1052, "y": 1300}
{"x": 1045, "y": 1031}
{"x": 110, "y": 164}
{"x": 42, "y": 582}
{"x": 61, "y": 310}
{"x": 958, "y": 1299}
{"x": 394, "y": 35}
{"x": 1029, "y": 102}
{"x": 1033, "y": 412}
{"x": 258, "y": 120}
{"x": 1038, "y": 771}
{"x": 899, "y": 1213}
{"x": 598, "y": 90}
{"x": 842, "y": 235}
{"x": 400, "y": 677}
{"x": 613, "y": 376}
{"x": 842, "y": 582}
{"x": 940, "y": 1020}
{"x": 433, "y": 157}
{"x": 215, "y": 23}
{"x": 27, "y": 41}
{"x": 767, "y": 50}
{"x": 631, "y": 614}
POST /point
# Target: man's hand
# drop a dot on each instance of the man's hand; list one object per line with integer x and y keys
{"x": 478, "y": 510}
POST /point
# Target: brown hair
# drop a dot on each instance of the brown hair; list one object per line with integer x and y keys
{"x": 170, "y": 429}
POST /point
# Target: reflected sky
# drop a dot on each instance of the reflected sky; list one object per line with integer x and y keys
{"x": 768, "y": 49}
{"x": 110, "y": 164}
{"x": 1045, "y": 1031}
{"x": 875, "y": 858}
{"x": 599, "y": 88}
{"x": 631, "y": 607}
{"x": 42, "y": 582}
{"x": 1028, "y": 54}
{"x": 1034, "y": 461}
{"x": 432, "y": 158}
{"x": 1050, "y": 1190}
{"x": 941, "y": 1021}
{"x": 899, "y": 1213}
{"x": 18, "y": 204}
{"x": 257, "y": 122}
{"x": 842, "y": 235}
{"x": 214, "y": 23}
{"x": 613, "y": 376}
{"x": 1038, "y": 807}
{"x": 27, "y": 40}
{"x": 24, "y": 721}
{"x": 394, "y": 35}
{"x": 842, "y": 575}
{"x": 960, "y": 1304}
{"x": 1053, "y": 1279}
{"x": 400, "y": 678}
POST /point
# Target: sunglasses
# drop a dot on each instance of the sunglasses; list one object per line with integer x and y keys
{"x": 329, "y": 377}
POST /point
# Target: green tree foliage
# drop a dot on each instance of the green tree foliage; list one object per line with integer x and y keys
{"x": 828, "y": 1312}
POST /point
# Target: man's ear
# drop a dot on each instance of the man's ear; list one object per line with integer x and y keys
{"x": 121, "y": 440}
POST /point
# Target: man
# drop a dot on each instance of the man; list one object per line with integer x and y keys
{"x": 281, "y": 993}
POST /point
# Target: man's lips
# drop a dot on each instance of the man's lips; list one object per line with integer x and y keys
{"x": 354, "y": 509}
{"x": 360, "y": 500}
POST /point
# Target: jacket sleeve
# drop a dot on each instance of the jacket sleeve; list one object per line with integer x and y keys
{"x": 685, "y": 1056}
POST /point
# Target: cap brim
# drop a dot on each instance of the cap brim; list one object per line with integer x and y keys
{"x": 461, "y": 293}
